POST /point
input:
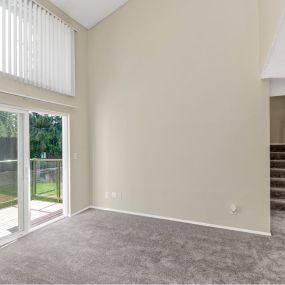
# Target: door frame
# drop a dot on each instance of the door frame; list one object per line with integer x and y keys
{"x": 24, "y": 168}
{"x": 23, "y": 172}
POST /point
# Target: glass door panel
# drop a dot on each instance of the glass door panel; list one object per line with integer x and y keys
{"x": 9, "y": 202}
{"x": 45, "y": 168}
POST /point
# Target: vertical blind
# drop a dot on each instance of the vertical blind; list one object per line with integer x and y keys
{"x": 36, "y": 46}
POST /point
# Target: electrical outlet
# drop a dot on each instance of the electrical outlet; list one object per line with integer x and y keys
{"x": 106, "y": 195}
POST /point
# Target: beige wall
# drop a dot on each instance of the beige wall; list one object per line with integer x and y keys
{"x": 179, "y": 116}
{"x": 277, "y": 119}
{"x": 179, "y": 119}
{"x": 80, "y": 191}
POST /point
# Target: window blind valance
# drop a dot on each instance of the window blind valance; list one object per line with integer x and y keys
{"x": 36, "y": 46}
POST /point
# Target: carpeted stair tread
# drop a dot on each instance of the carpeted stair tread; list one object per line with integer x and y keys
{"x": 280, "y": 201}
{"x": 277, "y": 179}
{"x": 277, "y": 204}
{"x": 277, "y": 173}
{"x": 277, "y": 148}
{"x": 277, "y": 193}
{"x": 277, "y": 182}
{"x": 277, "y": 155}
{"x": 278, "y": 169}
{"x": 277, "y": 164}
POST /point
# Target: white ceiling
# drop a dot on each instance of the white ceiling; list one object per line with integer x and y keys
{"x": 89, "y": 12}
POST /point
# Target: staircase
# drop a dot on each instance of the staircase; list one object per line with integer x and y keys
{"x": 277, "y": 177}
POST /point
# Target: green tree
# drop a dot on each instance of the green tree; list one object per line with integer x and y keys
{"x": 8, "y": 125}
{"x": 45, "y": 135}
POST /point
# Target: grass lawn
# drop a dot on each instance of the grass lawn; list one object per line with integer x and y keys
{"x": 44, "y": 191}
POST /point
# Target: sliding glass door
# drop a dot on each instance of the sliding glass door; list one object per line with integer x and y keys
{"x": 12, "y": 173}
{"x": 33, "y": 170}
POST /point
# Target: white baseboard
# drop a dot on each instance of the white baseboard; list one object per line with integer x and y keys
{"x": 183, "y": 221}
{"x": 80, "y": 211}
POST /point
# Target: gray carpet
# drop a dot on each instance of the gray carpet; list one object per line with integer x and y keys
{"x": 104, "y": 247}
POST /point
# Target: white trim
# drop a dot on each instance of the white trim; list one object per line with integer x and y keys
{"x": 21, "y": 183}
{"x": 11, "y": 109}
{"x": 37, "y": 99}
{"x": 66, "y": 164}
{"x": 22, "y": 177}
{"x": 21, "y": 109}
{"x": 26, "y": 172}
{"x": 80, "y": 211}
{"x": 277, "y": 87}
{"x": 183, "y": 221}
{"x": 4, "y": 241}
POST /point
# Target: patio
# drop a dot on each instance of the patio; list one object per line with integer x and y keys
{"x": 41, "y": 212}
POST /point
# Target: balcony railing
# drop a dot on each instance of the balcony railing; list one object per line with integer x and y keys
{"x": 46, "y": 181}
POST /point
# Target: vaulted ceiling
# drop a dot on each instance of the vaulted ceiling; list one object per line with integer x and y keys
{"x": 89, "y": 12}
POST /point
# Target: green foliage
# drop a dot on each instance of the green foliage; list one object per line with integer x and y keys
{"x": 8, "y": 125}
{"x": 45, "y": 133}
{"x": 45, "y": 191}
{"x": 45, "y": 136}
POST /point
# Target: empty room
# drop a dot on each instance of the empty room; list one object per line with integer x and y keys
{"x": 142, "y": 142}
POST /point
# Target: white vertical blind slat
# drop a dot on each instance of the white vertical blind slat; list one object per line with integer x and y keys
{"x": 30, "y": 37}
{"x": 65, "y": 59}
{"x": 9, "y": 38}
{"x": 56, "y": 58}
{"x": 38, "y": 47}
{"x": 34, "y": 44}
{"x": 15, "y": 36}
{"x": 48, "y": 49}
{"x": 20, "y": 60}
{"x": 72, "y": 62}
{"x": 25, "y": 40}
{"x": 68, "y": 60}
{"x": 4, "y": 36}
{"x": 43, "y": 48}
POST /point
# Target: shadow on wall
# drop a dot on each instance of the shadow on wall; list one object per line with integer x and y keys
{"x": 277, "y": 119}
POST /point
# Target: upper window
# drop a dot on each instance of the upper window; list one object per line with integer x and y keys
{"x": 36, "y": 46}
